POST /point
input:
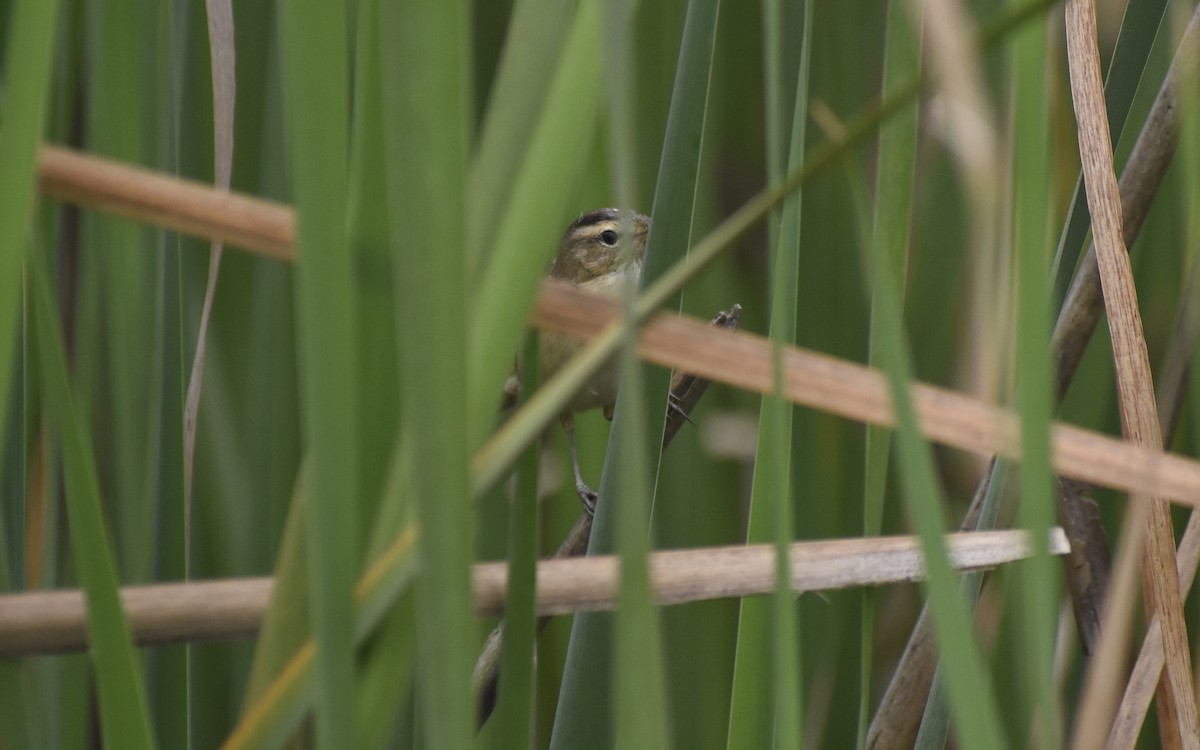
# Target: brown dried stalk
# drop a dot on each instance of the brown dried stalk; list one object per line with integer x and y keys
{"x": 45, "y": 622}
{"x": 895, "y": 723}
{"x": 1139, "y": 416}
{"x": 1171, "y": 388}
{"x": 738, "y": 359}
{"x": 861, "y": 394}
{"x": 264, "y": 226}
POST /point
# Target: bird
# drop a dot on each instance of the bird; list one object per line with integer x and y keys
{"x": 601, "y": 252}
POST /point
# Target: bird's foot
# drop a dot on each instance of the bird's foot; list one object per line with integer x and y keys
{"x": 587, "y": 496}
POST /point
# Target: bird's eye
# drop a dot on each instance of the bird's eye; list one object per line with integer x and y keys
{"x": 609, "y": 238}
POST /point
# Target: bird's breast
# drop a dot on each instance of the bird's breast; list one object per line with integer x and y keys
{"x": 600, "y": 390}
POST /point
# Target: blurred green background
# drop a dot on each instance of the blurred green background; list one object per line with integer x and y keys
{"x": 130, "y": 79}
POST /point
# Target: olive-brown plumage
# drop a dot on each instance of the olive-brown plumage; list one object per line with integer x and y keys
{"x": 600, "y": 252}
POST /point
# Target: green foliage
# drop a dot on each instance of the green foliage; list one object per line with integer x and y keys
{"x": 347, "y": 435}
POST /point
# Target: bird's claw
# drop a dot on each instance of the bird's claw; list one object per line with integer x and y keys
{"x": 587, "y": 496}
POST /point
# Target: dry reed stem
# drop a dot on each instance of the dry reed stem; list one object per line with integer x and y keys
{"x": 266, "y": 227}
{"x": 679, "y": 576}
{"x": 1172, "y": 387}
{"x": 55, "y": 621}
{"x": 860, "y": 393}
{"x": 1180, "y": 726}
{"x": 43, "y": 622}
{"x": 1146, "y": 671}
{"x": 739, "y": 359}
{"x": 1139, "y": 183}
{"x": 1080, "y": 312}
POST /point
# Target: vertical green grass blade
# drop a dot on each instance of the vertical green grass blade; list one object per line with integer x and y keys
{"x": 971, "y": 694}
{"x": 749, "y": 723}
{"x": 285, "y": 623}
{"x": 390, "y": 655}
{"x": 119, "y": 278}
{"x": 379, "y": 385}
{"x": 426, "y": 73}
{"x": 14, "y": 689}
{"x": 529, "y": 221}
{"x": 641, "y": 702}
{"x": 621, "y": 86}
{"x": 889, "y": 245}
{"x": 528, "y": 65}
{"x": 776, "y": 431}
{"x": 385, "y": 691}
{"x": 26, "y": 84}
{"x": 1037, "y": 591}
{"x": 514, "y": 704}
{"x": 892, "y": 220}
{"x": 30, "y": 47}
{"x": 640, "y": 695}
{"x": 770, "y": 677}
{"x": 584, "y": 714}
{"x": 124, "y": 718}
{"x": 316, "y": 100}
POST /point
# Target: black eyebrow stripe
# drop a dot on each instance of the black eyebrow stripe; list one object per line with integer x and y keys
{"x": 595, "y": 217}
